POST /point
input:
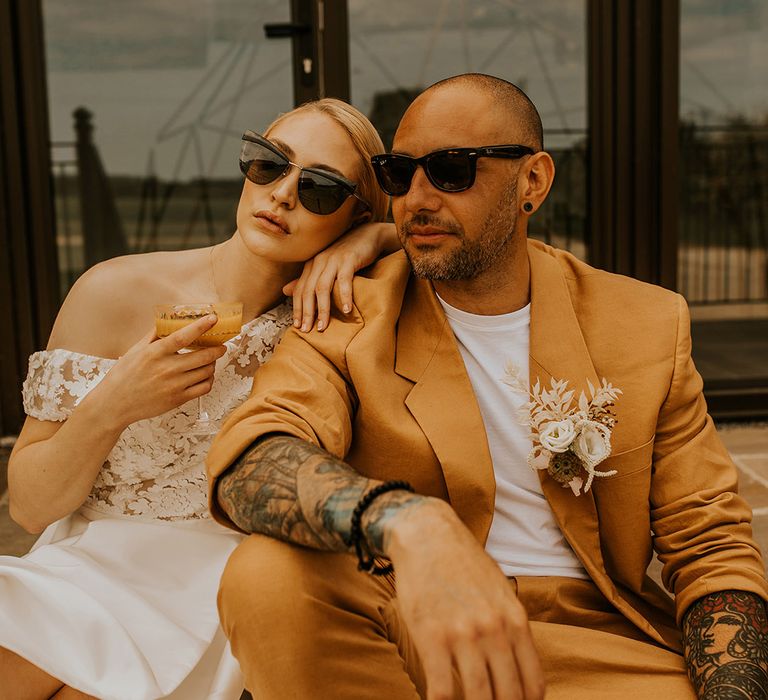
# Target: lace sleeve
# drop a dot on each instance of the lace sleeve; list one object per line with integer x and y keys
{"x": 57, "y": 381}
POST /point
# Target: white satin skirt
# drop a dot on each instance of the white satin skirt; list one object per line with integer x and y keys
{"x": 123, "y": 609}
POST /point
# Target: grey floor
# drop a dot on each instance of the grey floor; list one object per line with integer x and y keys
{"x": 13, "y": 540}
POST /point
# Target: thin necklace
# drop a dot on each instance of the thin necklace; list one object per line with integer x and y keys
{"x": 219, "y": 297}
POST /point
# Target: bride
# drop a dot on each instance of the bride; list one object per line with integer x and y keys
{"x": 117, "y": 598}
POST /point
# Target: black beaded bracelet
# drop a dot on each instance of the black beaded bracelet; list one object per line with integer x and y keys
{"x": 365, "y": 559}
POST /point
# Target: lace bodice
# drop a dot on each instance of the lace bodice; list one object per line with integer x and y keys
{"x": 156, "y": 469}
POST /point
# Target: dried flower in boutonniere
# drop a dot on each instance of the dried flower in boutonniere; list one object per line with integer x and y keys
{"x": 569, "y": 440}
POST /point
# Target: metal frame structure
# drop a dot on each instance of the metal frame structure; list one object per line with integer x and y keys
{"x": 633, "y": 89}
{"x": 29, "y": 273}
{"x": 319, "y": 31}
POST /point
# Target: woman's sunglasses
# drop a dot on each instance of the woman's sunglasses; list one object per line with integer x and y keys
{"x": 320, "y": 192}
{"x": 450, "y": 170}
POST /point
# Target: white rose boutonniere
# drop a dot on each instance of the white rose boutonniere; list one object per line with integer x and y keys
{"x": 593, "y": 443}
{"x": 570, "y": 440}
{"x": 557, "y": 435}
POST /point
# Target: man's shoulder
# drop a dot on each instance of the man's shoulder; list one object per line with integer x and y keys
{"x": 383, "y": 284}
{"x": 584, "y": 280}
{"x": 387, "y": 270}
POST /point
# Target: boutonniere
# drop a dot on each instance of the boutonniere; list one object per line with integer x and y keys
{"x": 570, "y": 439}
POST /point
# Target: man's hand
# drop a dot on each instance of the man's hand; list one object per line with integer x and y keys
{"x": 725, "y": 642}
{"x": 457, "y": 605}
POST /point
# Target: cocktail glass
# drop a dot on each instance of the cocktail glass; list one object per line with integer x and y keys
{"x": 171, "y": 317}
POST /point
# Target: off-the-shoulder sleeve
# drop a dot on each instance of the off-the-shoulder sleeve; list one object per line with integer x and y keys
{"x": 57, "y": 381}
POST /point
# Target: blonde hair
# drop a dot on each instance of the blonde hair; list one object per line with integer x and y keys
{"x": 365, "y": 139}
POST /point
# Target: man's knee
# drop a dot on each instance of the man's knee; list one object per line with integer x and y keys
{"x": 267, "y": 581}
{"x": 261, "y": 573}
{"x": 299, "y": 620}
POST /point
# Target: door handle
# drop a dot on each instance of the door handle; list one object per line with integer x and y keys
{"x": 281, "y": 30}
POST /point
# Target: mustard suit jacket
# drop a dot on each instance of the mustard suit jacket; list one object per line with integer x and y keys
{"x": 385, "y": 389}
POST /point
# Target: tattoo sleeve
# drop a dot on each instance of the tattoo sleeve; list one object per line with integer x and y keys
{"x": 725, "y": 642}
{"x": 289, "y": 489}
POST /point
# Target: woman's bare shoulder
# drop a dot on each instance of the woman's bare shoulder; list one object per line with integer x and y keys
{"x": 109, "y": 308}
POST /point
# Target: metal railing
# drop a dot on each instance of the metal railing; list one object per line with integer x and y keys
{"x": 562, "y": 219}
{"x": 723, "y": 250}
{"x": 68, "y": 229}
{"x": 100, "y": 216}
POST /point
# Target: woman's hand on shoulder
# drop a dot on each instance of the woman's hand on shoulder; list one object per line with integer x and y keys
{"x": 337, "y": 264}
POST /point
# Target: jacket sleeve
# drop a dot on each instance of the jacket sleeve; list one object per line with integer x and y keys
{"x": 701, "y": 526}
{"x": 303, "y": 391}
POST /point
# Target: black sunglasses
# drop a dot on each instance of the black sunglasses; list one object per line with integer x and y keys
{"x": 450, "y": 170}
{"x": 320, "y": 192}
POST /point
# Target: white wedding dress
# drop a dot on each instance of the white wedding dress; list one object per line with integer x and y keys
{"x": 118, "y": 599}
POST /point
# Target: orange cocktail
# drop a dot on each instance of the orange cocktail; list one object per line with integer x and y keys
{"x": 171, "y": 317}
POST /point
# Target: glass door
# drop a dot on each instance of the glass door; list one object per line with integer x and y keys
{"x": 399, "y": 47}
{"x": 723, "y": 247}
{"x": 148, "y": 101}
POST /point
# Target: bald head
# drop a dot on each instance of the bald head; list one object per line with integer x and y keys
{"x": 514, "y": 105}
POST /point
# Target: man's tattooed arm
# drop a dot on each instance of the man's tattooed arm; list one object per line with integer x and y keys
{"x": 291, "y": 490}
{"x": 725, "y": 642}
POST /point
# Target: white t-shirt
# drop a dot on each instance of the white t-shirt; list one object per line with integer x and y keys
{"x": 525, "y": 539}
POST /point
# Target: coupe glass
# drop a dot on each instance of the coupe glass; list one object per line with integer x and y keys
{"x": 171, "y": 317}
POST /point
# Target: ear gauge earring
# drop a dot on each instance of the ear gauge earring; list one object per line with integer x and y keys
{"x": 527, "y": 207}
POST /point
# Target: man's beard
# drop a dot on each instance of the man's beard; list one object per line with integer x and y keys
{"x": 472, "y": 257}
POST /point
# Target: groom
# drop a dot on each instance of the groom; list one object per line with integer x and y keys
{"x": 396, "y": 437}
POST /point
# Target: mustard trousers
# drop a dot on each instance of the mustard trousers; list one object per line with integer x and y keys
{"x": 308, "y": 625}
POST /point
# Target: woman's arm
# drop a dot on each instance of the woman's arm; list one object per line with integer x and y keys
{"x": 337, "y": 264}
{"x": 53, "y": 465}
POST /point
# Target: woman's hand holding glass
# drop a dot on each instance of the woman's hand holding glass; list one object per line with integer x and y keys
{"x": 229, "y": 320}
{"x": 154, "y": 377}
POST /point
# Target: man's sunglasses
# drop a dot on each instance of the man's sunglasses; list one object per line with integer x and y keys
{"x": 450, "y": 170}
{"x": 320, "y": 192}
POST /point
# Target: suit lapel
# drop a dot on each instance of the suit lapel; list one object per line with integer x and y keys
{"x": 443, "y": 404}
{"x": 557, "y": 349}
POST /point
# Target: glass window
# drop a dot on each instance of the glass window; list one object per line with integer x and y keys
{"x": 148, "y": 101}
{"x": 723, "y": 250}
{"x": 399, "y": 47}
